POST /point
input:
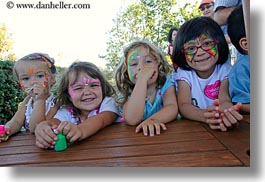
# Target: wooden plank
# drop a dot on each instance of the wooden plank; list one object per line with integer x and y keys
{"x": 72, "y": 154}
{"x": 237, "y": 140}
{"x": 198, "y": 159}
{"x": 90, "y": 143}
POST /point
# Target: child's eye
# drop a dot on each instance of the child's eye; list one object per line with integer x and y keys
{"x": 40, "y": 75}
{"x": 94, "y": 85}
{"x": 190, "y": 48}
{"x": 149, "y": 62}
{"x": 207, "y": 43}
{"x": 25, "y": 78}
{"x": 78, "y": 87}
{"x": 133, "y": 64}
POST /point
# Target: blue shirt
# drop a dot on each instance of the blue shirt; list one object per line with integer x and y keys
{"x": 150, "y": 108}
{"x": 239, "y": 80}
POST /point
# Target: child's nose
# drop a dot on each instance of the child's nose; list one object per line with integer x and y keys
{"x": 33, "y": 80}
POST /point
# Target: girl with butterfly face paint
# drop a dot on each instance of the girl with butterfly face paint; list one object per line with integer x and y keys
{"x": 201, "y": 52}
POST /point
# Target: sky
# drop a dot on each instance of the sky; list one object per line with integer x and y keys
{"x": 65, "y": 34}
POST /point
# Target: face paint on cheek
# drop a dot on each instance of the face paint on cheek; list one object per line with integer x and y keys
{"x": 130, "y": 74}
{"x": 71, "y": 92}
{"x": 212, "y": 51}
{"x": 130, "y": 56}
{"x": 189, "y": 57}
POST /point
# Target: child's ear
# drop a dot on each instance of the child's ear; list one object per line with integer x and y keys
{"x": 244, "y": 44}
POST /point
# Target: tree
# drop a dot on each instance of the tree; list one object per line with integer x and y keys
{"x": 145, "y": 19}
{"x": 6, "y": 44}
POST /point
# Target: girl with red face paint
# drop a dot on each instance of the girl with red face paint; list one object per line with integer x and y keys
{"x": 36, "y": 75}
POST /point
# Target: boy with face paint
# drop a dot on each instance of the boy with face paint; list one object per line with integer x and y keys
{"x": 148, "y": 93}
{"x": 201, "y": 52}
{"x": 36, "y": 75}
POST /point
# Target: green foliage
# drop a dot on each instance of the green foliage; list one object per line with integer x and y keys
{"x": 145, "y": 19}
{"x": 10, "y": 95}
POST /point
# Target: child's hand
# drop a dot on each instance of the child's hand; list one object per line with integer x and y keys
{"x": 214, "y": 118}
{"x": 231, "y": 116}
{"x": 4, "y": 137}
{"x": 146, "y": 73}
{"x": 151, "y": 126}
{"x": 40, "y": 91}
{"x": 45, "y": 137}
{"x": 70, "y": 130}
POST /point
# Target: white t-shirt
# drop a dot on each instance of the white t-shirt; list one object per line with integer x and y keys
{"x": 108, "y": 104}
{"x": 203, "y": 91}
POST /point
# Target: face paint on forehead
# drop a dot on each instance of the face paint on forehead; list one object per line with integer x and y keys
{"x": 86, "y": 81}
{"x": 30, "y": 71}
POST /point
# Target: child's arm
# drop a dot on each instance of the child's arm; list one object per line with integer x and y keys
{"x": 89, "y": 127}
{"x": 186, "y": 108}
{"x": 14, "y": 125}
{"x": 40, "y": 93}
{"x": 230, "y": 113}
{"x": 168, "y": 113}
{"x": 133, "y": 109}
{"x": 45, "y": 137}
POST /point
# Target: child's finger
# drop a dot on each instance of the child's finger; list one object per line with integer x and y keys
{"x": 138, "y": 129}
{"x": 151, "y": 129}
{"x": 157, "y": 128}
{"x": 214, "y": 121}
{"x": 222, "y": 127}
{"x": 227, "y": 119}
{"x": 214, "y": 127}
{"x": 145, "y": 130}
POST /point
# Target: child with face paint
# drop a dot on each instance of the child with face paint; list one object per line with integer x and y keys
{"x": 86, "y": 103}
{"x": 36, "y": 75}
{"x": 147, "y": 90}
{"x": 201, "y": 52}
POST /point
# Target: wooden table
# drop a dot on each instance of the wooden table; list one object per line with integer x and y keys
{"x": 185, "y": 143}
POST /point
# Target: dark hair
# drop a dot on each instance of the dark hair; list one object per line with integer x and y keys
{"x": 64, "y": 99}
{"x": 193, "y": 29}
{"x": 169, "y": 36}
{"x": 236, "y": 27}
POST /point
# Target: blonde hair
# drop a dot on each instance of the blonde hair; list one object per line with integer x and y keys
{"x": 123, "y": 83}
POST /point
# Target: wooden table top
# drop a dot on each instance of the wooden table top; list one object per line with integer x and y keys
{"x": 185, "y": 143}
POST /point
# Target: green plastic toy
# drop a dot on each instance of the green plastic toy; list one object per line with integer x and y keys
{"x": 60, "y": 143}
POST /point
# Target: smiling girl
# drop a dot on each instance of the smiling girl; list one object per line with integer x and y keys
{"x": 201, "y": 53}
{"x": 86, "y": 104}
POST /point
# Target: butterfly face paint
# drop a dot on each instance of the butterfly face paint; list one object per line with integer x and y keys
{"x": 204, "y": 42}
{"x": 77, "y": 87}
{"x": 129, "y": 58}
